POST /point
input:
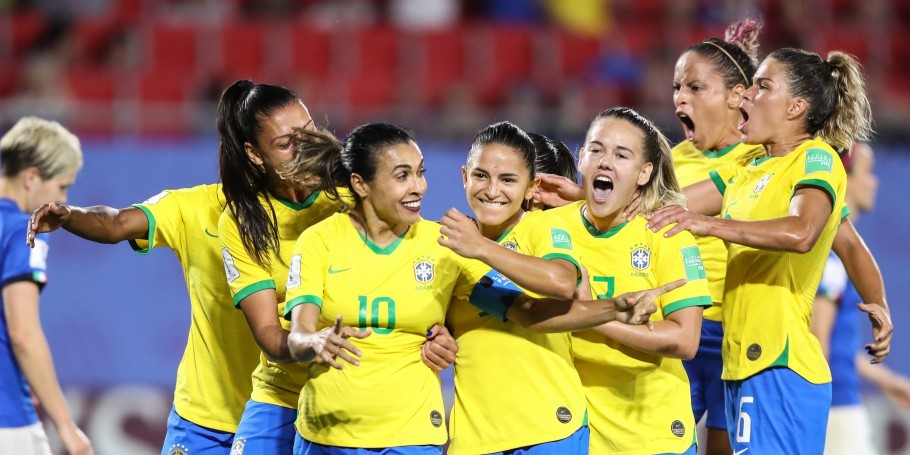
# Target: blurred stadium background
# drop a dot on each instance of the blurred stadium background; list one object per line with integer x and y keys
{"x": 138, "y": 80}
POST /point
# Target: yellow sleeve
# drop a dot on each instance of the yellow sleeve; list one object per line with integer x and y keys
{"x": 244, "y": 276}
{"x": 676, "y": 258}
{"x": 724, "y": 175}
{"x": 165, "y": 222}
{"x": 309, "y": 263}
{"x": 471, "y": 271}
{"x": 546, "y": 237}
{"x": 821, "y": 172}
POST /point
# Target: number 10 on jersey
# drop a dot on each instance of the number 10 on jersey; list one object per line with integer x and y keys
{"x": 370, "y": 314}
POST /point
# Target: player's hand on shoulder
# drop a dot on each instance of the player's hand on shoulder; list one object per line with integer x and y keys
{"x": 557, "y": 191}
{"x": 685, "y": 221}
{"x": 461, "y": 234}
{"x": 439, "y": 351}
{"x": 47, "y": 218}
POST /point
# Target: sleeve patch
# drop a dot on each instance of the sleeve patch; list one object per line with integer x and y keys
{"x": 37, "y": 257}
{"x": 229, "y": 268}
{"x": 818, "y": 160}
{"x": 692, "y": 264}
{"x": 560, "y": 239}
{"x": 294, "y": 272}
{"x": 154, "y": 199}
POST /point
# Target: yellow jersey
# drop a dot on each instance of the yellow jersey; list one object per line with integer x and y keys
{"x": 273, "y": 383}
{"x": 769, "y": 295}
{"x": 638, "y": 402}
{"x": 514, "y": 387}
{"x": 692, "y": 166}
{"x": 213, "y": 378}
{"x": 398, "y": 292}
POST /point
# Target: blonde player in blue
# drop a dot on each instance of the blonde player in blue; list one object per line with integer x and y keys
{"x": 492, "y": 412}
{"x": 779, "y": 218}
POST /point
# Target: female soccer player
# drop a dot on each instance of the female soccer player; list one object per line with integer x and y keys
{"x": 500, "y": 363}
{"x": 636, "y": 386}
{"x": 780, "y": 216}
{"x": 382, "y": 266}
{"x": 40, "y": 160}
{"x": 265, "y": 214}
{"x": 708, "y": 83}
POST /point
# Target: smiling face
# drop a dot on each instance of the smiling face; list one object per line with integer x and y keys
{"x": 612, "y": 166}
{"x": 497, "y": 181}
{"x": 398, "y": 186}
{"x": 767, "y": 106}
{"x": 273, "y": 143}
{"x": 707, "y": 110}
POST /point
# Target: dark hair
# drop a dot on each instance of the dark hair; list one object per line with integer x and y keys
{"x": 735, "y": 56}
{"x": 662, "y": 188}
{"x": 509, "y": 135}
{"x": 242, "y": 108}
{"x": 319, "y": 156}
{"x": 835, "y": 91}
{"x": 554, "y": 157}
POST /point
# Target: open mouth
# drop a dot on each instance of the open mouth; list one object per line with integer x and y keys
{"x": 745, "y": 116}
{"x": 493, "y": 204}
{"x": 688, "y": 125}
{"x": 413, "y": 206}
{"x": 603, "y": 186}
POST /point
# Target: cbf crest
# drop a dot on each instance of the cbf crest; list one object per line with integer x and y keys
{"x": 424, "y": 270}
{"x": 762, "y": 183}
{"x": 640, "y": 257}
{"x": 511, "y": 245}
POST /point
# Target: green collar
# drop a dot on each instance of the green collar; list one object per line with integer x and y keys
{"x": 761, "y": 160}
{"x": 601, "y": 235}
{"x": 300, "y": 205}
{"x": 721, "y": 152}
{"x": 377, "y": 249}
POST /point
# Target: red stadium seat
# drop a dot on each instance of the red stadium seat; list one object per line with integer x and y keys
{"x": 576, "y": 53}
{"x": 242, "y": 50}
{"x": 311, "y": 51}
{"x": 86, "y": 83}
{"x": 440, "y": 58}
{"x": 26, "y": 27}
{"x": 172, "y": 47}
{"x": 169, "y": 86}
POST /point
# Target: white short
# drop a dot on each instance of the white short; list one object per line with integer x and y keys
{"x": 849, "y": 431}
{"x": 27, "y": 440}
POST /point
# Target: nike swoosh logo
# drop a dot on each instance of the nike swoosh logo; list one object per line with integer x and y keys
{"x": 740, "y": 452}
{"x": 332, "y": 272}
{"x": 210, "y": 234}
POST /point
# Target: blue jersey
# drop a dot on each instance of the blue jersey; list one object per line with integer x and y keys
{"x": 845, "y": 334}
{"x": 18, "y": 262}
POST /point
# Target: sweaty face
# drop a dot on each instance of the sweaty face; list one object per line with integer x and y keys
{"x": 701, "y": 101}
{"x": 397, "y": 189}
{"x": 612, "y": 166}
{"x": 765, "y": 104}
{"x": 497, "y": 182}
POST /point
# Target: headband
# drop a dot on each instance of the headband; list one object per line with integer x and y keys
{"x": 743, "y": 73}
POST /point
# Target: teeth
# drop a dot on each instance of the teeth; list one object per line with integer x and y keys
{"x": 601, "y": 178}
{"x": 412, "y": 205}
{"x": 493, "y": 204}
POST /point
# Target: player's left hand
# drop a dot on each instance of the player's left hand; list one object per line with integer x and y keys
{"x": 882, "y": 330}
{"x": 438, "y": 352}
{"x": 684, "y": 219}
{"x": 557, "y": 191}
{"x": 461, "y": 235}
{"x": 583, "y": 290}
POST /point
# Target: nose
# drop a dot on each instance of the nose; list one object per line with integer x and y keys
{"x": 605, "y": 162}
{"x": 420, "y": 187}
{"x": 492, "y": 188}
{"x": 747, "y": 95}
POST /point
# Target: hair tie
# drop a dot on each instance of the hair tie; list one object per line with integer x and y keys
{"x": 741, "y": 72}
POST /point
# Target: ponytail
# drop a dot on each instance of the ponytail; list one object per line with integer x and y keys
{"x": 851, "y": 119}
{"x": 317, "y": 163}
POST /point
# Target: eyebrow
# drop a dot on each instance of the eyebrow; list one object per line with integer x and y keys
{"x": 505, "y": 174}
{"x": 756, "y": 80}
{"x": 406, "y": 166}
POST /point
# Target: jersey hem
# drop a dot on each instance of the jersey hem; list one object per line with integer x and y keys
{"x": 204, "y": 421}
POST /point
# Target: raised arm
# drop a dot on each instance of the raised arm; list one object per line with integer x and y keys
{"x": 867, "y": 277}
{"x": 797, "y": 232}
{"x": 554, "y": 278}
{"x": 100, "y": 223}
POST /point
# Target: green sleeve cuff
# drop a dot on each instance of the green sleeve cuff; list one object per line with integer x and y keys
{"x": 311, "y": 299}
{"x": 135, "y": 246}
{"x": 820, "y": 184}
{"x": 566, "y": 257}
{"x": 252, "y": 289}
{"x": 845, "y": 212}
{"x": 718, "y": 181}
{"x": 702, "y": 300}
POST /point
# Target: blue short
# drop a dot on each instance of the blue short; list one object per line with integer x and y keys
{"x": 265, "y": 429}
{"x": 692, "y": 450}
{"x": 777, "y": 411}
{"x": 575, "y": 443}
{"x": 704, "y": 371}
{"x": 185, "y": 437}
{"x": 304, "y": 447}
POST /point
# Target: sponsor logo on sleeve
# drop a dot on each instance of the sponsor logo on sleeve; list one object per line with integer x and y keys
{"x": 818, "y": 160}
{"x": 695, "y": 269}
{"x": 230, "y": 270}
{"x": 154, "y": 199}
{"x": 294, "y": 272}
{"x": 560, "y": 239}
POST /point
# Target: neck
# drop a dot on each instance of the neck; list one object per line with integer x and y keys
{"x": 786, "y": 145}
{"x": 732, "y": 138}
{"x": 290, "y": 193}
{"x": 13, "y": 189}
{"x": 374, "y": 228}
{"x": 493, "y": 232}
{"x": 603, "y": 224}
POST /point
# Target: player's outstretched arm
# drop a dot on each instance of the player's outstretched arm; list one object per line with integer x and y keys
{"x": 306, "y": 344}
{"x": 677, "y": 336}
{"x": 867, "y": 277}
{"x": 100, "y": 223}
{"x": 554, "y": 315}
{"x": 553, "y": 278}
{"x": 797, "y": 232}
